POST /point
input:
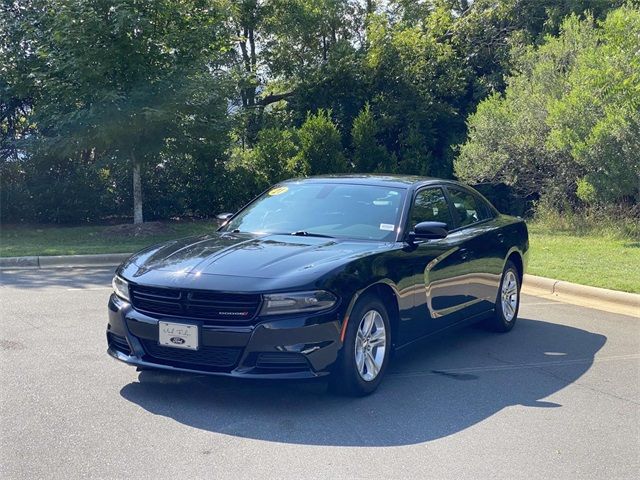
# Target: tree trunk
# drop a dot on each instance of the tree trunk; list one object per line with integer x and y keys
{"x": 371, "y": 7}
{"x": 137, "y": 192}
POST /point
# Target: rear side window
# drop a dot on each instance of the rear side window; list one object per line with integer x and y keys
{"x": 430, "y": 205}
{"x": 467, "y": 208}
{"x": 485, "y": 208}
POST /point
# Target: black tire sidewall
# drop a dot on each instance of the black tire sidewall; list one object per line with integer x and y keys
{"x": 346, "y": 377}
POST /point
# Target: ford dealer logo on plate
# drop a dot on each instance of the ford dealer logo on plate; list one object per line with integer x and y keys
{"x": 178, "y": 335}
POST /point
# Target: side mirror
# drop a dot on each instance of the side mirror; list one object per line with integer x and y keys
{"x": 223, "y": 218}
{"x": 429, "y": 231}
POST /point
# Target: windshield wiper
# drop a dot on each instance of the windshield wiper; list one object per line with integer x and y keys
{"x": 303, "y": 233}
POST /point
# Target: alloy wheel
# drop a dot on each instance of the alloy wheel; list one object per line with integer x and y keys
{"x": 371, "y": 343}
{"x": 509, "y": 295}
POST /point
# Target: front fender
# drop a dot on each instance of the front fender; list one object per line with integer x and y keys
{"x": 384, "y": 283}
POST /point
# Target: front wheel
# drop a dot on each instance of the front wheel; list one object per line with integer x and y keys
{"x": 365, "y": 353}
{"x": 508, "y": 300}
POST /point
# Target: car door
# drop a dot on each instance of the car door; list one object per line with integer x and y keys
{"x": 439, "y": 275}
{"x": 480, "y": 245}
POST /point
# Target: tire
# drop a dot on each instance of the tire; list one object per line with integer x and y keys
{"x": 363, "y": 359}
{"x": 507, "y": 302}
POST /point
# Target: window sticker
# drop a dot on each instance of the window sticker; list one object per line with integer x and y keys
{"x": 387, "y": 226}
{"x": 278, "y": 191}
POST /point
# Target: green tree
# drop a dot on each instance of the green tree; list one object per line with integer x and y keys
{"x": 121, "y": 77}
{"x": 203, "y": 102}
{"x": 568, "y": 118}
{"x": 418, "y": 80}
{"x": 597, "y": 119}
{"x": 274, "y": 152}
{"x": 286, "y": 50}
{"x": 320, "y": 147}
{"x": 485, "y": 31}
{"x": 368, "y": 154}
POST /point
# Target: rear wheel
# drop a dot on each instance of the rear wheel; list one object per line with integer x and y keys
{"x": 508, "y": 300}
{"x": 365, "y": 353}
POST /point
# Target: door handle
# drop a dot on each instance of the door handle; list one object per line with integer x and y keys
{"x": 464, "y": 253}
{"x": 501, "y": 237}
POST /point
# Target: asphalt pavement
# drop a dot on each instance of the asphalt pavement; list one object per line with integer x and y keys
{"x": 556, "y": 398}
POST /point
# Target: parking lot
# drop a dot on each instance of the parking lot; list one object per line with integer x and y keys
{"x": 558, "y": 397}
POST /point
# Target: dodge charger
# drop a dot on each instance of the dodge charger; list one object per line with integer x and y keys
{"x": 321, "y": 276}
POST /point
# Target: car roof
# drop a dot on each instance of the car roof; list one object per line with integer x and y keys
{"x": 398, "y": 181}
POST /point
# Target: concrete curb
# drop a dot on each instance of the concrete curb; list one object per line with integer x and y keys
{"x": 18, "y": 262}
{"x": 600, "y": 298}
{"x": 59, "y": 261}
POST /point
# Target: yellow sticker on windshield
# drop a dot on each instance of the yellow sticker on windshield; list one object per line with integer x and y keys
{"x": 278, "y": 191}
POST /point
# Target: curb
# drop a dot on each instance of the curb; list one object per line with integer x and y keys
{"x": 595, "y": 297}
{"x": 59, "y": 261}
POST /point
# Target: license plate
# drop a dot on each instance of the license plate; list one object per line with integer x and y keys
{"x": 178, "y": 335}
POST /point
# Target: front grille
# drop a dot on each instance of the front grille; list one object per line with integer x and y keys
{"x": 208, "y": 357}
{"x": 214, "y": 307}
{"x": 116, "y": 342}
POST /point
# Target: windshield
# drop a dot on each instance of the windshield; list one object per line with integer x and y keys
{"x": 363, "y": 212}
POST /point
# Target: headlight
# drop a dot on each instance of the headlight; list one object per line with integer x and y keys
{"x": 121, "y": 288}
{"x": 297, "y": 302}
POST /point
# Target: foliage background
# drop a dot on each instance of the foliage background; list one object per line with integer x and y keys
{"x": 536, "y": 100}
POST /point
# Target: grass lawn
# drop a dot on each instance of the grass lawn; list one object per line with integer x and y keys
{"x": 589, "y": 259}
{"x": 18, "y": 241}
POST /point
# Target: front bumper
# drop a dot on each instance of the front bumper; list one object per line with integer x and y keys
{"x": 284, "y": 347}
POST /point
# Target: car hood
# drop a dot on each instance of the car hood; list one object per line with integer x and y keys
{"x": 241, "y": 255}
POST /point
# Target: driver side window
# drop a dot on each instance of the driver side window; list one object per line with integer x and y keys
{"x": 430, "y": 205}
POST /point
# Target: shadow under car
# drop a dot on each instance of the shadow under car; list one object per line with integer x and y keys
{"x": 445, "y": 385}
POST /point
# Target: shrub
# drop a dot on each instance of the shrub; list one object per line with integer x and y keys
{"x": 570, "y": 112}
{"x": 320, "y": 147}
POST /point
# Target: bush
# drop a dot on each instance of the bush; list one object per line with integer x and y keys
{"x": 571, "y": 112}
{"x": 320, "y": 147}
{"x": 56, "y": 190}
{"x": 274, "y": 152}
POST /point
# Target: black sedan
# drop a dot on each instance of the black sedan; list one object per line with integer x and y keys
{"x": 318, "y": 276}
